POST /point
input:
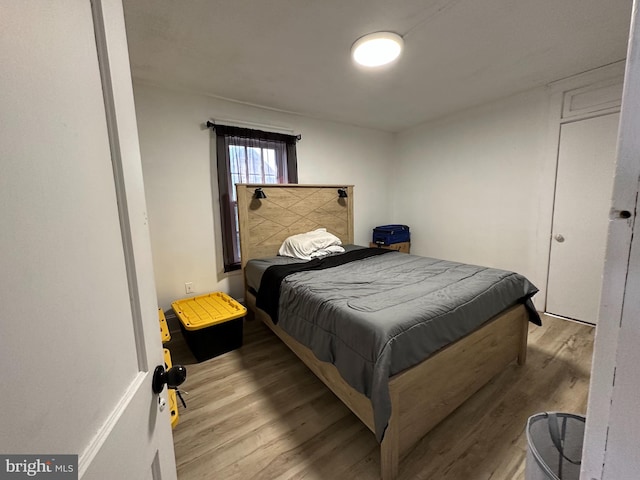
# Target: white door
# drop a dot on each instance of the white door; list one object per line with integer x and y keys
{"x": 78, "y": 315}
{"x": 612, "y": 435}
{"x": 586, "y": 166}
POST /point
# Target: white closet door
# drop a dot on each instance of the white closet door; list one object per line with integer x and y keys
{"x": 586, "y": 162}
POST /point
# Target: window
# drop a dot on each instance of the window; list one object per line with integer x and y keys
{"x": 248, "y": 156}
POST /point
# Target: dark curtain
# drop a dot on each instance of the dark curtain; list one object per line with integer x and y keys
{"x": 235, "y": 166}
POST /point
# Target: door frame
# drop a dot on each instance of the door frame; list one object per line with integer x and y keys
{"x": 558, "y": 115}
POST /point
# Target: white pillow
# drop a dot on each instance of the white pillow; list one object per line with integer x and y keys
{"x": 326, "y": 251}
{"x": 303, "y": 245}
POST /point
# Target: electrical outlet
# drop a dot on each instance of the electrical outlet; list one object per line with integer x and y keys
{"x": 188, "y": 287}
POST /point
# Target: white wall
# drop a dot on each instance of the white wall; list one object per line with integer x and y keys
{"x": 177, "y": 152}
{"x": 477, "y": 187}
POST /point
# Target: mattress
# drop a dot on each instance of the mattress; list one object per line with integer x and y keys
{"x": 377, "y": 316}
{"x": 255, "y": 268}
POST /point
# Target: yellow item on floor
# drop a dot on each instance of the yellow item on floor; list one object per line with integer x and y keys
{"x": 211, "y": 324}
{"x": 164, "y": 328}
{"x": 171, "y": 393}
{"x": 207, "y": 310}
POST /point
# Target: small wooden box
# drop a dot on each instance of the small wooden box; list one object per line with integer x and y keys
{"x": 403, "y": 247}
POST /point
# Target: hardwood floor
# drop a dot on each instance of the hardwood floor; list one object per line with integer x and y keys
{"x": 259, "y": 413}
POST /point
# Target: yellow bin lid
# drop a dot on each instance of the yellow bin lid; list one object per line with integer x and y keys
{"x": 207, "y": 310}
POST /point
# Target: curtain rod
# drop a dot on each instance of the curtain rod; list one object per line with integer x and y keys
{"x": 259, "y": 126}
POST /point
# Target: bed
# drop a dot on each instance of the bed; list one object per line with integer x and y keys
{"x": 403, "y": 399}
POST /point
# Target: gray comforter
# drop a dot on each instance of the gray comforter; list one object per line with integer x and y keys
{"x": 375, "y": 317}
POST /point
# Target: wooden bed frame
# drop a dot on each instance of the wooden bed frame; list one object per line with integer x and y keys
{"x": 421, "y": 396}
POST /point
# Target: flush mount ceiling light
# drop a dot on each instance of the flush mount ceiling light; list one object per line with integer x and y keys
{"x": 377, "y": 49}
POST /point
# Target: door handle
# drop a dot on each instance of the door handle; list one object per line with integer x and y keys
{"x": 559, "y": 238}
{"x": 174, "y": 377}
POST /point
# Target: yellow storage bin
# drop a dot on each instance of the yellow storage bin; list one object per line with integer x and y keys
{"x": 211, "y": 324}
{"x": 171, "y": 395}
{"x": 164, "y": 328}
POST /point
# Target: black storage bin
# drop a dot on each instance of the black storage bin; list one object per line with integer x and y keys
{"x": 211, "y": 324}
{"x": 389, "y": 234}
{"x": 212, "y": 341}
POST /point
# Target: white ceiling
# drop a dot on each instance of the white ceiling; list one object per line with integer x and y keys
{"x": 294, "y": 55}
